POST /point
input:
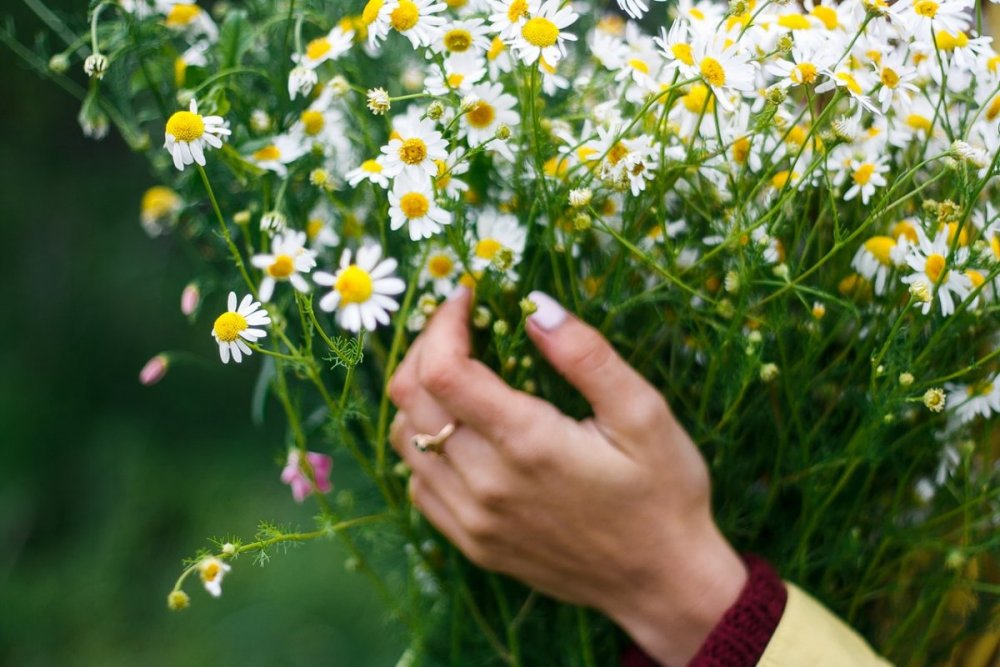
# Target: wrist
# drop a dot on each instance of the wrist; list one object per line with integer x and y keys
{"x": 671, "y": 610}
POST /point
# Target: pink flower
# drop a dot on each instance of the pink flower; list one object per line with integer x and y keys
{"x": 295, "y": 476}
{"x": 190, "y": 298}
{"x": 154, "y": 370}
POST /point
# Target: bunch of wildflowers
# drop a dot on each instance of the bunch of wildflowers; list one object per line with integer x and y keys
{"x": 785, "y": 215}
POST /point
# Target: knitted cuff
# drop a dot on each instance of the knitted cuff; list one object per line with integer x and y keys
{"x": 746, "y": 628}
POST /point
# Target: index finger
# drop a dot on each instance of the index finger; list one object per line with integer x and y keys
{"x": 465, "y": 387}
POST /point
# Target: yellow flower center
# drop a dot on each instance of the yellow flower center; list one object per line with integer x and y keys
{"x": 186, "y": 126}
{"x": 712, "y": 71}
{"x": 517, "y": 10}
{"x": 977, "y": 279}
{"x": 496, "y": 48}
{"x": 318, "y": 48}
{"x": 180, "y": 71}
{"x": 890, "y": 79}
{"x": 487, "y": 248}
{"x": 414, "y": 205}
{"x": 182, "y": 14}
{"x": 804, "y": 73}
{"x": 935, "y": 266}
{"x": 850, "y": 82}
{"x": 443, "y": 177}
{"x": 827, "y": 16}
{"x": 741, "y": 150}
{"x": 683, "y": 52}
{"x": 963, "y": 236}
{"x": 404, "y": 16}
{"x": 371, "y": 10}
{"x": 993, "y": 110}
{"x": 440, "y": 266}
{"x": 794, "y": 22}
{"x": 456, "y": 4}
{"x": 797, "y": 135}
{"x": 313, "y": 122}
{"x": 993, "y": 64}
{"x": 698, "y": 99}
{"x": 617, "y": 153}
{"x": 159, "y": 201}
{"x": 281, "y": 267}
{"x": 458, "y": 40}
{"x": 926, "y": 8}
{"x": 639, "y": 65}
{"x": 314, "y": 227}
{"x": 210, "y": 570}
{"x": 228, "y": 326}
{"x": 413, "y": 151}
{"x": 556, "y": 167}
{"x": 354, "y": 284}
{"x": 995, "y": 245}
{"x": 540, "y": 32}
{"x": 371, "y": 166}
{"x": 455, "y": 80}
{"x": 779, "y": 180}
{"x": 481, "y": 115}
{"x": 918, "y": 122}
{"x": 947, "y": 41}
{"x": 880, "y": 247}
{"x": 903, "y": 228}
{"x": 863, "y": 174}
{"x": 267, "y": 154}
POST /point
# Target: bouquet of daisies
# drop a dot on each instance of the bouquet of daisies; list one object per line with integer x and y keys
{"x": 784, "y": 215}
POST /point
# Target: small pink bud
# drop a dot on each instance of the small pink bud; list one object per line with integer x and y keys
{"x": 190, "y": 298}
{"x": 154, "y": 370}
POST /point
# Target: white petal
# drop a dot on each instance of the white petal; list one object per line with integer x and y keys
{"x": 266, "y": 288}
{"x": 224, "y": 352}
{"x": 232, "y": 301}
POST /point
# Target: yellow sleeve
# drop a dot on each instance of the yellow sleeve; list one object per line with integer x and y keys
{"x": 809, "y": 635}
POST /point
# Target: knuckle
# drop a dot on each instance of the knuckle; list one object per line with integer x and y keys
{"x": 592, "y": 353}
{"x": 438, "y": 376}
{"x": 649, "y": 411}
{"x": 400, "y": 388}
{"x": 479, "y": 525}
{"x": 489, "y": 491}
{"x": 526, "y": 454}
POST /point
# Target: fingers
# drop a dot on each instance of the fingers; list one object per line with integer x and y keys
{"x": 465, "y": 387}
{"x": 623, "y": 402}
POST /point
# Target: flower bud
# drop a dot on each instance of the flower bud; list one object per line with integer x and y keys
{"x": 228, "y": 549}
{"x": 154, "y": 370}
{"x": 178, "y": 600}
{"x": 273, "y": 222}
{"x": 378, "y": 101}
{"x": 481, "y": 317}
{"x": 242, "y": 217}
{"x": 301, "y": 81}
{"x": 906, "y": 379}
{"x": 503, "y": 132}
{"x": 190, "y": 298}
{"x": 260, "y": 121}
{"x": 435, "y": 111}
{"x": 95, "y": 65}
{"x": 339, "y": 86}
{"x": 769, "y": 372}
{"x": 528, "y": 307}
{"x": 59, "y": 63}
{"x": 921, "y": 291}
{"x": 501, "y": 328}
{"x": 934, "y": 399}
{"x": 732, "y": 282}
{"x": 580, "y": 197}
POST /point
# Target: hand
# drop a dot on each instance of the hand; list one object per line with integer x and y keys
{"x": 611, "y": 512}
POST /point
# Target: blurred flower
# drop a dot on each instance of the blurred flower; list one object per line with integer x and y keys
{"x": 234, "y": 326}
{"x": 190, "y": 298}
{"x": 328, "y": 47}
{"x": 154, "y": 370}
{"x": 188, "y": 133}
{"x": 287, "y": 261}
{"x": 178, "y": 600}
{"x": 361, "y": 291}
{"x": 295, "y": 475}
{"x": 301, "y": 81}
{"x": 95, "y": 65}
{"x": 158, "y": 209}
{"x": 212, "y": 570}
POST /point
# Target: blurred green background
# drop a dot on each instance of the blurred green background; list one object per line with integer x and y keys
{"x": 106, "y": 485}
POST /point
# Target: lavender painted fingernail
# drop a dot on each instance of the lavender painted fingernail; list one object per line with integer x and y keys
{"x": 550, "y": 313}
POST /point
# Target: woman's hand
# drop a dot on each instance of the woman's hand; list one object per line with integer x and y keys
{"x": 610, "y": 512}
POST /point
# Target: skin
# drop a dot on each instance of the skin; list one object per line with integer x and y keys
{"x": 612, "y": 512}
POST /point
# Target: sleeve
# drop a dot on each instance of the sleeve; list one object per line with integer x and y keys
{"x": 809, "y": 634}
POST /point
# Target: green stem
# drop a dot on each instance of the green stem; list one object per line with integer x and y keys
{"x": 233, "y": 250}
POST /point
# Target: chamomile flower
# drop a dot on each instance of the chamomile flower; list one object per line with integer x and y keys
{"x": 361, "y": 291}
{"x": 372, "y": 171}
{"x": 460, "y": 73}
{"x": 417, "y": 20}
{"x": 191, "y": 20}
{"x": 803, "y": 69}
{"x": 415, "y": 149}
{"x": 854, "y": 82}
{"x": 411, "y": 203}
{"x": 865, "y": 177}
{"x": 919, "y": 18}
{"x": 188, "y": 133}
{"x": 238, "y": 324}
{"x": 509, "y": 16}
{"x": 897, "y": 80}
{"x": 283, "y": 150}
{"x": 441, "y": 268}
{"x": 287, "y": 261}
{"x": 635, "y": 8}
{"x": 319, "y": 228}
{"x": 877, "y": 258}
{"x": 463, "y": 36}
{"x": 212, "y": 570}
{"x": 497, "y": 234}
{"x": 980, "y": 399}
{"x": 330, "y": 46}
{"x": 725, "y": 69}
{"x": 544, "y": 34}
{"x": 493, "y": 108}
{"x": 929, "y": 261}
{"x": 159, "y": 208}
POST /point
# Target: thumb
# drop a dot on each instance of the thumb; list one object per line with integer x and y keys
{"x": 623, "y": 402}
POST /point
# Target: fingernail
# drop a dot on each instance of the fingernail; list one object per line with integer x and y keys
{"x": 458, "y": 293}
{"x": 550, "y": 313}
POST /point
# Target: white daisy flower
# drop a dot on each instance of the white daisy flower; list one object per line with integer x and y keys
{"x": 411, "y": 203}
{"x": 188, "y": 133}
{"x": 361, "y": 291}
{"x": 866, "y": 176}
{"x": 724, "y": 69}
{"x": 301, "y": 81}
{"x": 372, "y": 171}
{"x": 635, "y": 8}
{"x": 212, "y": 570}
{"x": 495, "y": 233}
{"x": 445, "y": 182}
{"x": 195, "y": 56}
{"x": 919, "y": 18}
{"x": 461, "y": 72}
{"x": 804, "y": 67}
{"x": 441, "y": 268}
{"x": 191, "y": 20}
{"x": 896, "y": 77}
{"x": 330, "y": 46}
{"x": 855, "y": 83}
{"x": 543, "y": 34}
{"x": 414, "y": 19}
{"x": 493, "y": 108}
{"x": 877, "y": 258}
{"x": 319, "y": 228}
{"x": 981, "y": 399}
{"x": 508, "y": 16}
{"x": 463, "y": 36}
{"x": 415, "y": 149}
{"x": 287, "y": 261}
{"x": 283, "y": 150}
{"x": 238, "y": 324}
{"x": 929, "y": 261}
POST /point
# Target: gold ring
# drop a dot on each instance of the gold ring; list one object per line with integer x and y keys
{"x": 434, "y": 443}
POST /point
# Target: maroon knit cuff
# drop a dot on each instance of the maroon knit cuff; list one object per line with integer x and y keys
{"x": 746, "y": 628}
